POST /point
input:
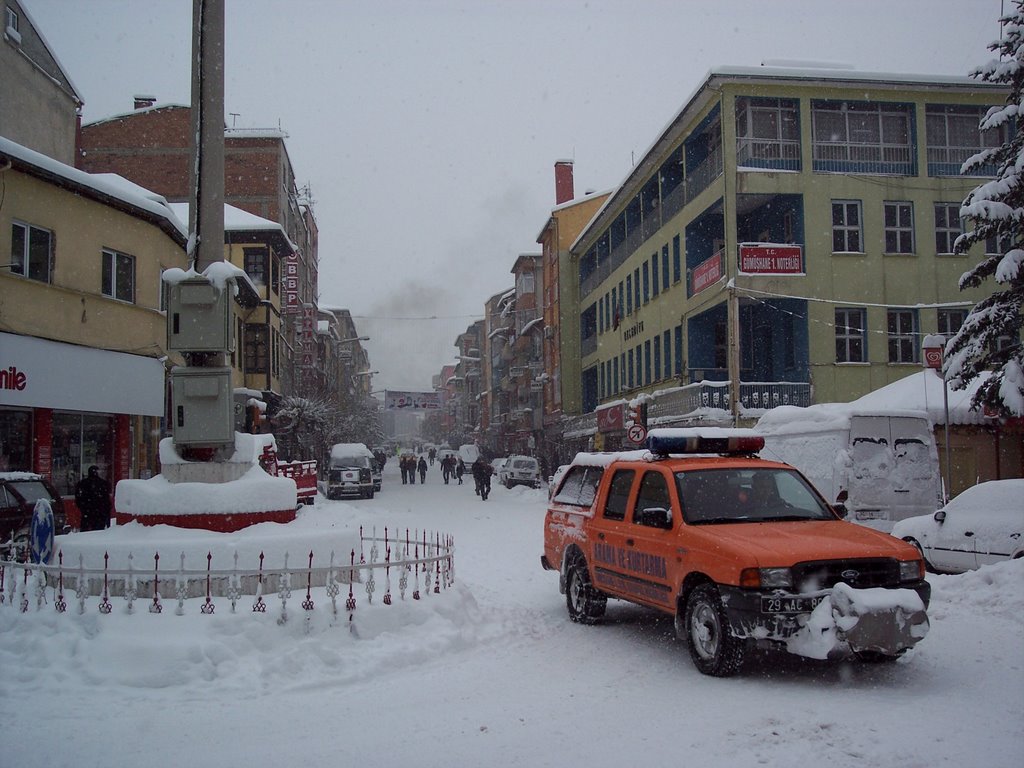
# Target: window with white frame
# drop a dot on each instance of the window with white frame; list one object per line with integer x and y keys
{"x": 851, "y": 344}
{"x": 846, "y": 226}
{"x": 31, "y": 251}
{"x": 767, "y": 129}
{"x": 954, "y": 135}
{"x": 901, "y": 328}
{"x": 11, "y": 19}
{"x": 118, "y": 275}
{"x": 948, "y": 226}
{"x": 864, "y": 135}
{"x": 899, "y": 227}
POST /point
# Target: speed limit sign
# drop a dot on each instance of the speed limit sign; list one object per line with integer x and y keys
{"x": 637, "y": 433}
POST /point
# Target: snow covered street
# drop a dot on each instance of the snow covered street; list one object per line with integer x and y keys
{"x": 490, "y": 672}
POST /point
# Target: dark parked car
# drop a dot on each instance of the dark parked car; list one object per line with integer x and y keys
{"x": 19, "y": 492}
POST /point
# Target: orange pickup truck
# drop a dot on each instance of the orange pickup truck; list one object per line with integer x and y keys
{"x": 740, "y": 550}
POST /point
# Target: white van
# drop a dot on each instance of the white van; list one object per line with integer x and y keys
{"x": 883, "y": 466}
{"x": 350, "y": 471}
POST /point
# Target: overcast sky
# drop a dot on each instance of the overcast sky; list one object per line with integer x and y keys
{"x": 427, "y": 130}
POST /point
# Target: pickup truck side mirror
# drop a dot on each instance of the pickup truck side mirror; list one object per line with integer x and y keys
{"x": 940, "y": 516}
{"x": 655, "y": 517}
{"x": 840, "y": 509}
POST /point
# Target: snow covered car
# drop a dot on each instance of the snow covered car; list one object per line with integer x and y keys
{"x": 520, "y": 470}
{"x": 19, "y": 492}
{"x": 350, "y": 472}
{"x": 983, "y": 525}
{"x": 498, "y": 465}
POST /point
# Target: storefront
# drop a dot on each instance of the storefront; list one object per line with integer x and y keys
{"x": 64, "y": 408}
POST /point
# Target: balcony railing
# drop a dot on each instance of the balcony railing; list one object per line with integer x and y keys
{"x": 768, "y": 153}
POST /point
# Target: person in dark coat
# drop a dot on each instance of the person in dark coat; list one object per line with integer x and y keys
{"x": 446, "y": 468}
{"x": 460, "y": 469}
{"x": 482, "y": 477}
{"x": 92, "y": 495}
{"x": 421, "y": 465}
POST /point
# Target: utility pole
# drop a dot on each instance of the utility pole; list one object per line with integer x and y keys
{"x": 733, "y": 320}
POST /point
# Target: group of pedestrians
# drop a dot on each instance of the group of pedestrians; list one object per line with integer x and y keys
{"x": 409, "y": 466}
{"x": 452, "y": 467}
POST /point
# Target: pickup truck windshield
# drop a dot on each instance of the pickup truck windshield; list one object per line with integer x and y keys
{"x": 745, "y": 495}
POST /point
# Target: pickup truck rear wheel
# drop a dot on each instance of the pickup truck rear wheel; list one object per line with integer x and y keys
{"x": 713, "y": 647}
{"x": 585, "y": 603}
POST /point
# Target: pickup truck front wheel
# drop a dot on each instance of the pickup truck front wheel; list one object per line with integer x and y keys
{"x": 713, "y": 647}
{"x": 585, "y": 603}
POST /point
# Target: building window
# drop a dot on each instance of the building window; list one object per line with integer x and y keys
{"x": 899, "y": 227}
{"x": 846, "y": 227}
{"x": 948, "y": 226}
{"x": 657, "y": 357}
{"x": 275, "y": 273}
{"x": 524, "y": 283}
{"x": 257, "y": 349}
{"x": 950, "y": 321}
{"x": 655, "y": 286}
{"x": 12, "y": 19}
{"x": 850, "y": 336}
{"x": 629, "y": 367}
{"x": 902, "y": 331}
{"x": 118, "y": 275}
{"x": 768, "y": 132}
{"x": 647, "y": 283}
{"x": 678, "y": 336}
{"x": 665, "y": 344}
{"x": 664, "y": 267}
{"x": 954, "y": 135}
{"x": 255, "y": 264}
{"x": 862, "y": 137}
{"x": 31, "y": 251}
{"x": 629, "y": 294}
{"x": 677, "y": 260}
{"x": 647, "y": 363}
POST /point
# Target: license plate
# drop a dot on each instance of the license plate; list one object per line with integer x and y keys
{"x": 790, "y": 604}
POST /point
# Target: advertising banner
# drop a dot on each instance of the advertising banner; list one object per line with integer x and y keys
{"x": 708, "y": 272}
{"x": 395, "y": 400}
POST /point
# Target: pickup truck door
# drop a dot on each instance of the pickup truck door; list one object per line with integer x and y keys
{"x": 652, "y": 541}
{"x": 610, "y": 531}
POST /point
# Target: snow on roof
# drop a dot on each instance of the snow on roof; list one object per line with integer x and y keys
{"x": 238, "y": 220}
{"x": 347, "y": 450}
{"x": 254, "y": 133}
{"x": 536, "y": 321}
{"x": 923, "y": 391}
{"x": 102, "y": 184}
{"x": 132, "y": 112}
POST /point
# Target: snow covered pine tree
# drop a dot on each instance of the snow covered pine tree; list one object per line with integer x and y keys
{"x": 996, "y": 211}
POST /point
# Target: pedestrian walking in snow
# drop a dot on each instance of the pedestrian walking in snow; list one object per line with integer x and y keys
{"x": 422, "y": 467}
{"x": 460, "y": 469}
{"x": 92, "y": 495}
{"x": 482, "y": 477}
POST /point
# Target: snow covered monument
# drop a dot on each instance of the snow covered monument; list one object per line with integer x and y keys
{"x": 211, "y": 476}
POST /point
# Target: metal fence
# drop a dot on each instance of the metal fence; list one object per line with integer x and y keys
{"x": 418, "y": 564}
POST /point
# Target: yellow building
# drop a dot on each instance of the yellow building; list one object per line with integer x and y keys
{"x": 82, "y": 331}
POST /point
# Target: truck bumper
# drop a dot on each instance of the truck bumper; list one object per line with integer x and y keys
{"x": 847, "y": 620}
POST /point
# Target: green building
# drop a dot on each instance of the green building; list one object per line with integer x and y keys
{"x": 787, "y": 239}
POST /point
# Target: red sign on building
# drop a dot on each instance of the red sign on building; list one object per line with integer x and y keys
{"x": 290, "y": 285}
{"x": 708, "y": 272}
{"x": 771, "y": 259}
{"x": 611, "y": 418}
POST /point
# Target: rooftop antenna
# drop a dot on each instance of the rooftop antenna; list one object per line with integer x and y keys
{"x": 234, "y": 117}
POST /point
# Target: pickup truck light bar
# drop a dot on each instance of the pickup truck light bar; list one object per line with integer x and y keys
{"x": 678, "y": 442}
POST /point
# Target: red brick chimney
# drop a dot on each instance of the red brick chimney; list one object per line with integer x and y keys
{"x": 563, "y": 181}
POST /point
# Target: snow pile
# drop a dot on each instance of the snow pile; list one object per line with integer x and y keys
{"x": 861, "y": 620}
{"x": 254, "y": 491}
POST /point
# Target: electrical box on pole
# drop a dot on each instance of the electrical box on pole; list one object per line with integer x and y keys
{"x": 202, "y": 408}
{"x": 199, "y": 317}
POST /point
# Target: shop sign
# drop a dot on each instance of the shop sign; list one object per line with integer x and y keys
{"x": 705, "y": 274}
{"x": 771, "y": 259}
{"x": 611, "y": 418}
{"x": 38, "y": 373}
{"x": 290, "y": 285}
